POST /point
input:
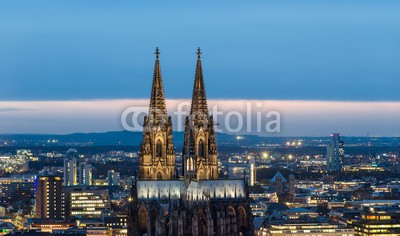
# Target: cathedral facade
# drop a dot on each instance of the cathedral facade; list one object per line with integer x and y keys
{"x": 195, "y": 202}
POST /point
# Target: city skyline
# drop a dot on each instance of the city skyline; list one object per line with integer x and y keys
{"x": 200, "y": 118}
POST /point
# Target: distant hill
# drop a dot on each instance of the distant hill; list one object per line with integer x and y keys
{"x": 119, "y": 138}
{"x": 125, "y": 138}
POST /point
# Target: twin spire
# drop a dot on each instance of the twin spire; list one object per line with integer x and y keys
{"x": 199, "y": 99}
{"x": 158, "y": 109}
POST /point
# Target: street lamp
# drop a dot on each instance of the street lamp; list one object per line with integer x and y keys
{"x": 265, "y": 155}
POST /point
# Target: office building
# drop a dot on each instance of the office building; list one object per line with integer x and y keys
{"x": 13, "y": 184}
{"x": 49, "y": 202}
{"x": 335, "y": 153}
{"x": 70, "y": 172}
{"x": 253, "y": 170}
{"x": 85, "y": 174}
{"x": 301, "y": 221}
{"x": 88, "y": 203}
{"x": 113, "y": 178}
{"x": 292, "y": 185}
{"x": 379, "y": 220}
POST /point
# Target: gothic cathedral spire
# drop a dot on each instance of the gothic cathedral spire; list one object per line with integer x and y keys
{"x": 157, "y": 107}
{"x": 200, "y": 148}
{"x": 157, "y": 151}
{"x": 199, "y": 99}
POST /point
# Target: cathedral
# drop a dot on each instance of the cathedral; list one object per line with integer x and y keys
{"x": 195, "y": 202}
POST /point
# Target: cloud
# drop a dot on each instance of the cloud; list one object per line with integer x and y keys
{"x": 8, "y": 109}
{"x": 297, "y": 118}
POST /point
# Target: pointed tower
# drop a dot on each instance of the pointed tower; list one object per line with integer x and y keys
{"x": 157, "y": 151}
{"x": 200, "y": 148}
{"x": 199, "y": 99}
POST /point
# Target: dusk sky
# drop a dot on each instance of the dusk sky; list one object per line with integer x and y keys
{"x": 345, "y": 52}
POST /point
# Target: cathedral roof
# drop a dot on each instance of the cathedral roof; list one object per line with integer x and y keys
{"x": 174, "y": 189}
{"x": 278, "y": 174}
{"x": 258, "y": 221}
{"x": 275, "y": 206}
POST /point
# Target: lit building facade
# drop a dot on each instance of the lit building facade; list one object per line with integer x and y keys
{"x": 253, "y": 170}
{"x": 49, "y": 225}
{"x": 200, "y": 146}
{"x": 113, "y": 178}
{"x": 335, "y": 153}
{"x": 306, "y": 229}
{"x": 9, "y": 185}
{"x": 89, "y": 203}
{"x": 85, "y": 172}
{"x": 157, "y": 150}
{"x": 49, "y": 203}
{"x": 301, "y": 221}
{"x": 70, "y": 172}
{"x": 379, "y": 220}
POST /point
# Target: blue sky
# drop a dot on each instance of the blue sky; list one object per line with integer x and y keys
{"x": 290, "y": 54}
{"x": 302, "y": 50}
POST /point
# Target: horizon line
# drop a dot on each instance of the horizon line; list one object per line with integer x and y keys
{"x": 236, "y": 134}
{"x": 212, "y": 99}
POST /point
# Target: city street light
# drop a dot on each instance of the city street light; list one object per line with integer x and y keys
{"x": 265, "y": 155}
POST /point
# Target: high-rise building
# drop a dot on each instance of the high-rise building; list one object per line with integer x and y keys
{"x": 253, "y": 170}
{"x": 70, "y": 172}
{"x": 398, "y": 157}
{"x": 49, "y": 202}
{"x": 113, "y": 178}
{"x": 85, "y": 174}
{"x": 292, "y": 185}
{"x": 335, "y": 153}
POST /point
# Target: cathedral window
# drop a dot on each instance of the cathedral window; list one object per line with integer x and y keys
{"x": 242, "y": 218}
{"x": 153, "y": 221}
{"x": 201, "y": 149}
{"x": 202, "y": 223}
{"x": 159, "y": 175}
{"x": 190, "y": 163}
{"x": 159, "y": 149}
{"x": 142, "y": 221}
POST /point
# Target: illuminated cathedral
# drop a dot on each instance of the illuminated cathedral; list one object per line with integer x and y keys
{"x": 195, "y": 202}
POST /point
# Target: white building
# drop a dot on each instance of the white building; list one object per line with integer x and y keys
{"x": 85, "y": 174}
{"x": 70, "y": 172}
{"x": 253, "y": 170}
{"x": 335, "y": 153}
{"x": 89, "y": 203}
